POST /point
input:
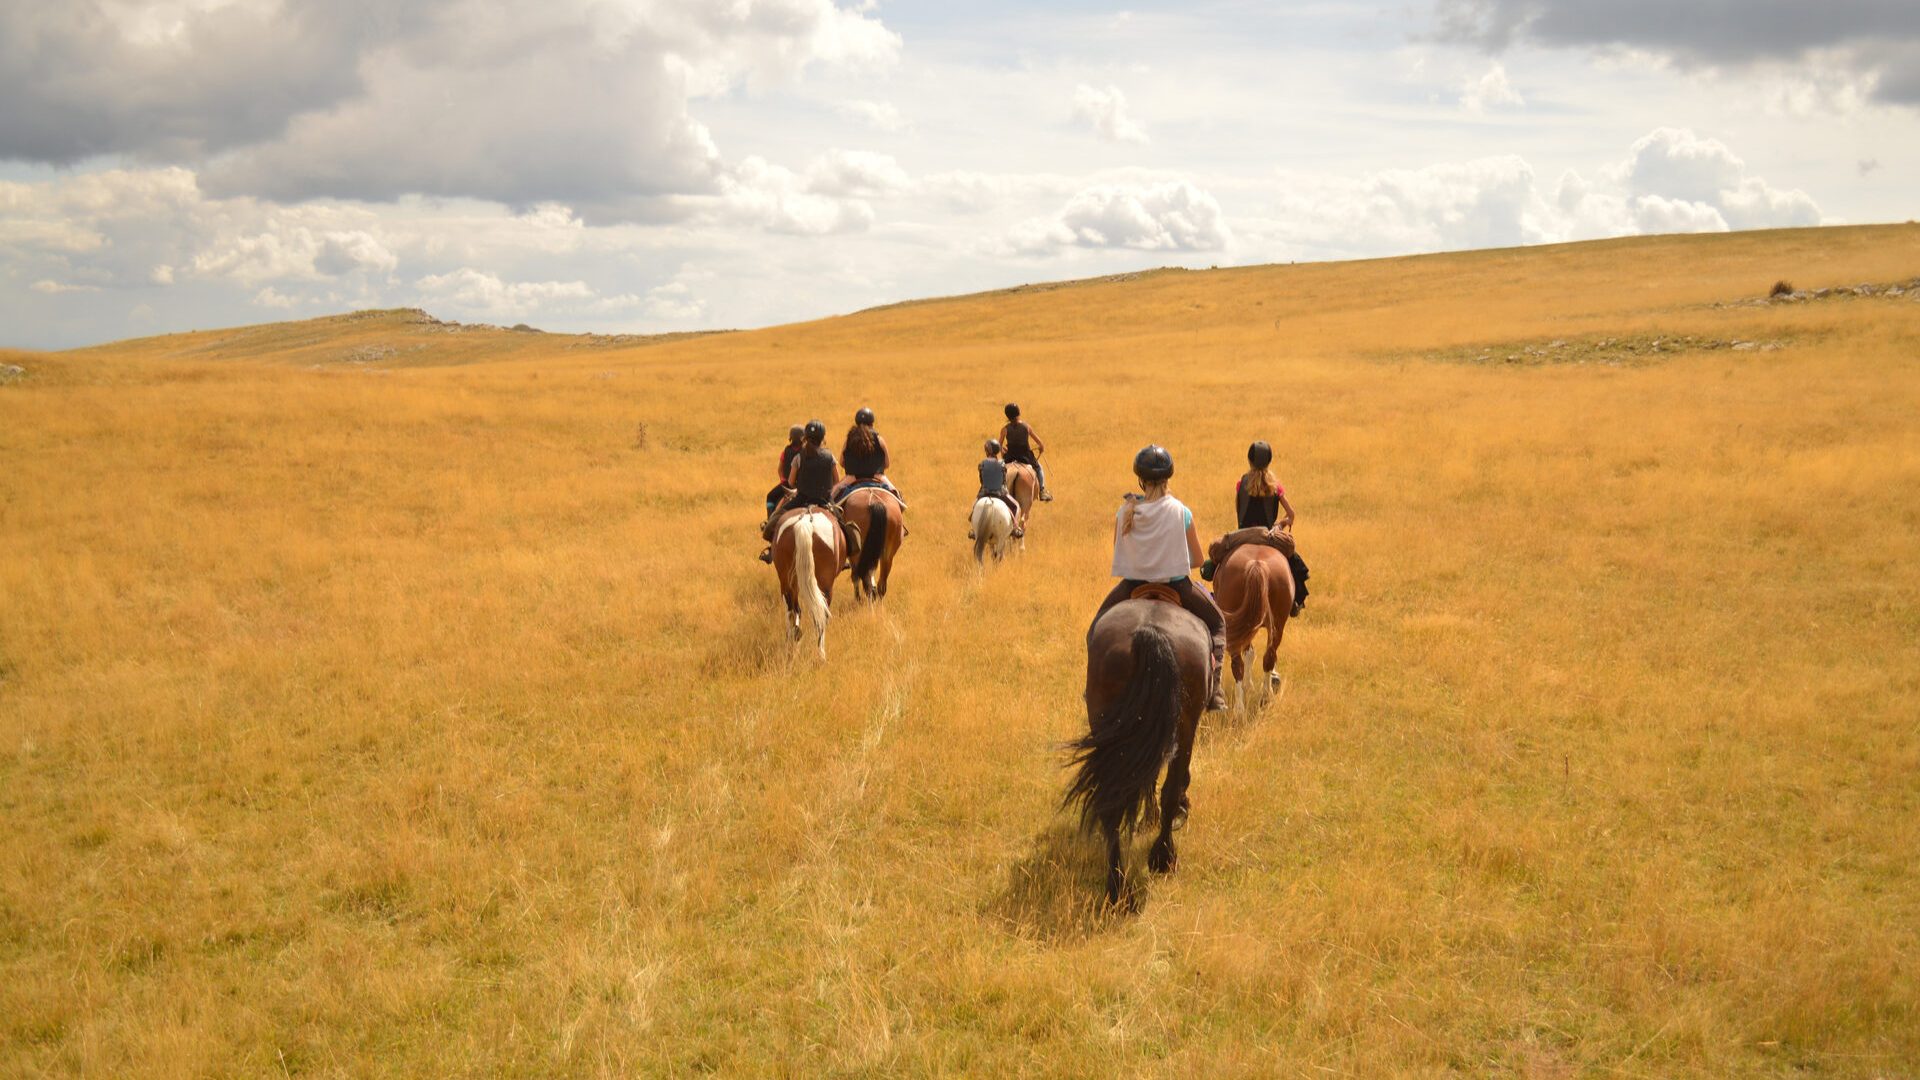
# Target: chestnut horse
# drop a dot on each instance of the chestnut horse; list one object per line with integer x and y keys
{"x": 1146, "y": 684}
{"x": 873, "y": 516}
{"x": 1024, "y": 486}
{"x": 807, "y": 552}
{"x": 1254, "y": 588}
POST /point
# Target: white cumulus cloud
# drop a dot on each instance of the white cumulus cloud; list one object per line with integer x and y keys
{"x": 1106, "y": 110}
{"x": 1170, "y": 216}
{"x": 1489, "y": 90}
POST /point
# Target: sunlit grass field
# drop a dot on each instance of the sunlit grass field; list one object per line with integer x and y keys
{"x": 430, "y": 714}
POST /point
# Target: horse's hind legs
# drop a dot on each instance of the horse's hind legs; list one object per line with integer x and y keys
{"x": 1119, "y": 892}
{"x": 1162, "y": 858}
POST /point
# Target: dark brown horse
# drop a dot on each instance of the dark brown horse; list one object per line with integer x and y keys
{"x": 873, "y": 516}
{"x": 807, "y": 553}
{"x": 1024, "y": 485}
{"x": 1146, "y": 684}
{"x": 1255, "y": 589}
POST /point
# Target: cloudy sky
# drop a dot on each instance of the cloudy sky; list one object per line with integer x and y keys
{"x": 653, "y": 165}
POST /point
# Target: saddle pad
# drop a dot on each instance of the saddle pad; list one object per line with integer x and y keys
{"x": 858, "y": 485}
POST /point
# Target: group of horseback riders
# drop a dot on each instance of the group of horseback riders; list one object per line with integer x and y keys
{"x": 1155, "y": 541}
{"x": 810, "y": 475}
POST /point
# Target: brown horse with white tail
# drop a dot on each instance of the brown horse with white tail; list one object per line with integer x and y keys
{"x": 808, "y": 550}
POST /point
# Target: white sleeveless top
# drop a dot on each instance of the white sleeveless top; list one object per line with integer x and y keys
{"x": 1156, "y": 548}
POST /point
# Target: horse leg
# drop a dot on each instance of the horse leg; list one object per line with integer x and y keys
{"x": 1242, "y": 663}
{"x": 1162, "y": 858}
{"x": 1117, "y": 887}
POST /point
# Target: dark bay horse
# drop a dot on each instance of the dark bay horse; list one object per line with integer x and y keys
{"x": 1024, "y": 485}
{"x": 1146, "y": 685}
{"x": 873, "y": 516}
{"x": 1255, "y": 590}
{"x": 807, "y": 553}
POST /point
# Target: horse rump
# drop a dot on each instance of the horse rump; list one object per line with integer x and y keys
{"x": 1118, "y": 761}
{"x": 874, "y": 543}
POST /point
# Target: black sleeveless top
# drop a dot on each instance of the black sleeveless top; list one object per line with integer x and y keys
{"x": 1017, "y": 446}
{"x": 1260, "y": 510}
{"x": 815, "y": 482}
{"x": 864, "y": 463}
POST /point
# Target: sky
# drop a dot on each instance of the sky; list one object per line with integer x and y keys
{"x": 643, "y": 166}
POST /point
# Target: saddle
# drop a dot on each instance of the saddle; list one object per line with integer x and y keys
{"x": 1154, "y": 590}
{"x": 1259, "y": 534}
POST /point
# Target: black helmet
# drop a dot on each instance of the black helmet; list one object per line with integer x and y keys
{"x": 816, "y": 431}
{"x": 993, "y": 447}
{"x": 864, "y": 416}
{"x": 1013, "y": 411}
{"x": 1153, "y": 463}
{"x": 1259, "y": 455}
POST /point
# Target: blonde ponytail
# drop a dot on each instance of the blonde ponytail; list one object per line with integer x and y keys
{"x": 1152, "y": 489}
{"x": 1261, "y": 483}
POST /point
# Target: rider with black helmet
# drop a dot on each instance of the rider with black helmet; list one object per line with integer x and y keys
{"x": 864, "y": 455}
{"x": 812, "y": 476}
{"x": 1259, "y": 499}
{"x": 1020, "y": 443}
{"x": 1154, "y": 541}
{"x": 795, "y": 435}
{"x": 993, "y": 484}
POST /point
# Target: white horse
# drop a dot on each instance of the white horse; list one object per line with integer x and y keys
{"x": 992, "y": 528}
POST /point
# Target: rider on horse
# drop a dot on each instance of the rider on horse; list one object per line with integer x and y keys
{"x": 993, "y": 484}
{"x": 866, "y": 459}
{"x": 1259, "y": 498}
{"x": 1023, "y": 445}
{"x": 1154, "y": 542}
{"x": 812, "y": 475}
{"x": 794, "y": 436}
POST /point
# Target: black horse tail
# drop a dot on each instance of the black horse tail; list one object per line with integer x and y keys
{"x": 874, "y": 543}
{"x": 1119, "y": 760}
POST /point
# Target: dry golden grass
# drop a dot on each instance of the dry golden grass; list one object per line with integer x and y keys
{"x": 400, "y": 718}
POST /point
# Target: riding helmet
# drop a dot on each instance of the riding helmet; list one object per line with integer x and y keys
{"x": 1153, "y": 463}
{"x": 993, "y": 447}
{"x": 1013, "y": 411}
{"x": 1259, "y": 455}
{"x": 816, "y": 431}
{"x": 864, "y": 416}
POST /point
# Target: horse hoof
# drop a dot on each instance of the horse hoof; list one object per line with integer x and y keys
{"x": 1179, "y": 819}
{"x": 1273, "y": 680}
{"x": 1162, "y": 859}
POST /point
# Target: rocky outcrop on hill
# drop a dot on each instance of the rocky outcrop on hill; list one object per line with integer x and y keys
{"x": 1609, "y": 351}
{"x": 1785, "y": 294}
{"x": 11, "y": 373}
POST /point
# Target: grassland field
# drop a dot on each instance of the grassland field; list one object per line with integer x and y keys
{"x": 383, "y": 698}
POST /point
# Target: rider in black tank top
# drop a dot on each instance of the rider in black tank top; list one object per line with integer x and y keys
{"x": 1021, "y": 444}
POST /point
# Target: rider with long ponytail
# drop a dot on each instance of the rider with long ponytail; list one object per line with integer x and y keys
{"x": 1155, "y": 542}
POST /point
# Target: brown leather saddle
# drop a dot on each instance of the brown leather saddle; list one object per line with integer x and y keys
{"x": 1154, "y": 590}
